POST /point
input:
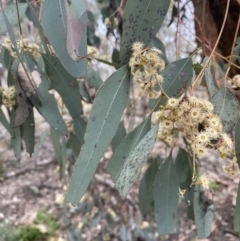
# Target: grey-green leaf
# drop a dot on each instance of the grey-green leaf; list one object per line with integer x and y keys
{"x": 65, "y": 84}
{"x": 237, "y": 212}
{"x": 54, "y": 22}
{"x": 237, "y": 141}
{"x": 4, "y": 121}
{"x": 141, "y": 21}
{"x": 126, "y": 146}
{"x": 93, "y": 79}
{"x": 103, "y": 122}
{"x": 165, "y": 197}
{"x": 156, "y": 42}
{"x": 28, "y": 131}
{"x": 39, "y": 144}
{"x": 16, "y": 137}
{"x": 226, "y": 106}
{"x": 79, "y": 125}
{"x": 119, "y": 135}
{"x": 11, "y": 13}
{"x": 145, "y": 194}
{"x": 203, "y": 213}
{"x": 177, "y": 77}
{"x": 135, "y": 161}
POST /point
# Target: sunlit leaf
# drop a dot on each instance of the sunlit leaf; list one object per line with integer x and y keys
{"x": 135, "y": 161}
{"x": 126, "y": 146}
{"x": 165, "y": 197}
{"x": 103, "y": 122}
{"x": 141, "y": 21}
{"x": 55, "y": 24}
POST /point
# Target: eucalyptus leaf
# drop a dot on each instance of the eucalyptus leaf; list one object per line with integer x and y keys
{"x": 39, "y": 144}
{"x": 102, "y": 125}
{"x": 126, "y": 146}
{"x": 226, "y": 106}
{"x": 165, "y": 197}
{"x": 203, "y": 212}
{"x": 5, "y": 58}
{"x": 237, "y": 141}
{"x": 93, "y": 79}
{"x": 65, "y": 84}
{"x": 119, "y": 135}
{"x": 145, "y": 194}
{"x": 236, "y": 221}
{"x": 4, "y": 121}
{"x": 57, "y": 25}
{"x": 15, "y": 136}
{"x": 135, "y": 161}
{"x": 11, "y": 13}
{"x": 79, "y": 125}
{"x": 157, "y": 43}
{"x": 28, "y": 131}
{"x": 141, "y": 21}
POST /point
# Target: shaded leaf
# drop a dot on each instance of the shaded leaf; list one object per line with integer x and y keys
{"x": 156, "y": 42}
{"x": 236, "y": 222}
{"x": 119, "y": 135}
{"x": 126, "y": 146}
{"x": 115, "y": 56}
{"x": 74, "y": 144}
{"x": 11, "y": 13}
{"x": 165, "y": 196}
{"x": 39, "y": 144}
{"x": 28, "y": 131}
{"x": 55, "y": 138}
{"x": 4, "y": 121}
{"x": 93, "y": 79}
{"x": 65, "y": 84}
{"x": 102, "y": 125}
{"x": 16, "y": 137}
{"x": 141, "y": 21}
{"x": 145, "y": 194}
{"x": 55, "y": 12}
{"x": 177, "y": 78}
{"x": 203, "y": 213}
{"x": 237, "y": 142}
{"x": 135, "y": 161}
{"x": 226, "y": 106}
{"x": 5, "y": 58}
{"x": 79, "y": 125}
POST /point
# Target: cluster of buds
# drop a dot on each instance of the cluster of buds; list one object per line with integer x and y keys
{"x": 199, "y": 126}
{"x": 23, "y": 45}
{"x": 111, "y": 22}
{"x": 146, "y": 67}
{"x": 8, "y": 96}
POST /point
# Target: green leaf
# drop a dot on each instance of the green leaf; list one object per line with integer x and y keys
{"x": 93, "y": 79}
{"x": 16, "y": 137}
{"x": 65, "y": 84}
{"x": 197, "y": 68}
{"x": 115, "y": 56}
{"x": 183, "y": 164}
{"x": 135, "y": 161}
{"x": 42, "y": 100}
{"x": 11, "y": 13}
{"x": 177, "y": 77}
{"x": 4, "y": 121}
{"x": 5, "y": 58}
{"x": 212, "y": 88}
{"x": 79, "y": 125}
{"x": 165, "y": 197}
{"x": 145, "y": 194}
{"x": 237, "y": 141}
{"x": 38, "y": 25}
{"x": 203, "y": 213}
{"x": 226, "y": 106}
{"x": 119, "y": 135}
{"x": 74, "y": 144}
{"x": 126, "y": 146}
{"x": 83, "y": 91}
{"x": 236, "y": 221}
{"x": 55, "y": 138}
{"x": 56, "y": 27}
{"x": 156, "y": 42}
{"x": 39, "y": 144}
{"x": 28, "y": 131}
{"x": 103, "y": 122}
{"x": 141, "y": 21}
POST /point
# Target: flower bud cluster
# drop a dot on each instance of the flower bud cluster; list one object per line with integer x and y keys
{"x": 199, "y": 126}
{"x": 23, "y": 45}
{"x": 146, "y": 66}
{"x": 8, "y": 96}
